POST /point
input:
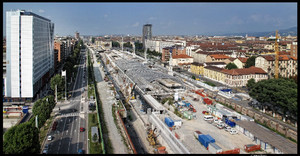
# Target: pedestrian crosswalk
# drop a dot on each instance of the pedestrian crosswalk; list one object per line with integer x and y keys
{"x": 69, "y": 114}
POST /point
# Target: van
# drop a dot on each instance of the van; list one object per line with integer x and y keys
{"x": 208, "y": 117}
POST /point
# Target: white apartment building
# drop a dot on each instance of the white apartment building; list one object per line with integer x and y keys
{"x": 29, "y": 53}
{"x": 158, "y": 45}
{"x": 190, "y": 48}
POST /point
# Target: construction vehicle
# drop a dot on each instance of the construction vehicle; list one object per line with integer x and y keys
{"x": 160, "y": 150}
{"x": 152, "y": 137}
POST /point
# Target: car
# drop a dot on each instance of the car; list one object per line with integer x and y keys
{"x": 82, "y": 129}
{"x": 220, "y": 125}
{"x": 80, "y": 151}
{"x": 45, "y": 151}
{"x": 50, "y": 138}
{"x": 205, "y": 112}
{"x": 46, "y": 147}
{"x": 233, "y": 131}
{"x": 227, "y": 129}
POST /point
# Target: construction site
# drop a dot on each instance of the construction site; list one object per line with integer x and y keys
{"x": 171, "y": 115}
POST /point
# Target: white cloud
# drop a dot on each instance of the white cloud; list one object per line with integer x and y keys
{"x": 152, "y": 18}
{"x": 41, "y": 11}
{"x": 136, "y": 24}
{"x": 105, "y": 16}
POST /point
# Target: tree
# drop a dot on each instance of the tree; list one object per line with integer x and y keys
{"x": 231, "y": 66}
{"x": 59, "y": 81}
{"x": 21, "y": 139}
{"x": 281, "y": 93}
{"x": 250, "y": 83}
{"x": 127, "y": 44}
{"x": 115, "y": 44}
{"x": 250, "y": 62}
{"x": 95, "y": 137}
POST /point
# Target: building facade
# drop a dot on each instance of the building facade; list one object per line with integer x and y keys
{"x": 30, "y": 53}
{"x": 288, "y": 65}
{"x": 294, "y": 49}
{"x": 197, "y": 68}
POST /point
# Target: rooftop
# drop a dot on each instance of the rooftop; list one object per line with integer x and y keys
{"x": 268, "y": 136}
{"x": 219, "y": 56}
{"x": 244, "y": 71}
{"x": 181, "y": 56}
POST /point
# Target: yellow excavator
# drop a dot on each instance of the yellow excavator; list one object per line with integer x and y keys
{"x": 152, "y": 137}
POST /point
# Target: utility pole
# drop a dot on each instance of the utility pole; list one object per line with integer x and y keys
{"x": 36, "y": 122}
{"x": 56, "y": 93}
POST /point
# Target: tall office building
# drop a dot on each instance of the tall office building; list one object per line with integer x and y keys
{"x": 147, "y": 33}
{"x": 29, "y": 54}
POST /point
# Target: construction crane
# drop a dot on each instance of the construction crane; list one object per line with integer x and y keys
{"x": 276, "y": 56}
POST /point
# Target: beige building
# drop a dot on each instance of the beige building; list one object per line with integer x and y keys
{"x": 240, "y": 77}
{"x": 288, "y": 65}
{"x": 235, "y": 77}
{"x": 182, "y": 60}
{"x": 240, "y": 62}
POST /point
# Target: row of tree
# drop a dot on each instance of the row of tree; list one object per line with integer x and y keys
{"x": 281, "y": 94}
{"x": 24, "y": 138}
{"x": 73, "y": 59}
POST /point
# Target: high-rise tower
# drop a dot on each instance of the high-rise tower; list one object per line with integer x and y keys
{"x": 147, "y": 33}
{"x": 30, "y": 53}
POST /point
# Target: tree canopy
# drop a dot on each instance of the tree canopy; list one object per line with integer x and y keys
{"x": 115, "y": 44}
{"x": 59, "y": 81}
{"x": 251, "y": 83}
{"x": 250, "y": 62}
{"x": 281, "y": 93}
{"x": 231, "y": 66}
{"x": 21, "y": 139}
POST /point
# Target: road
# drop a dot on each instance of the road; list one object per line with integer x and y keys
{"x": 73, "y": 114}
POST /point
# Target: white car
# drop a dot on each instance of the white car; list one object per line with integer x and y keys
{"x": 227, "y": 129}
{"x": 49, "y": 138}
{"x": 233, "y": 131}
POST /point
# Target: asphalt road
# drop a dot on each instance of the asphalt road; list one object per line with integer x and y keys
{"x": 67, "y": 137}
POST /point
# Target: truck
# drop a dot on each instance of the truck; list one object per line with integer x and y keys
{"x": 229, "y": 122}
{"x": 196, "y": 133}
{"x": 214, "y": 148}
{"x": 205, "y": 140}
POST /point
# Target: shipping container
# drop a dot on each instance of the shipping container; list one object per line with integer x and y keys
{"x": 169, "y": 121}
{"x": 214, "y": 148}
{"x": 230, "y": 123}
{"x": 196, "y": 133}
{"x": 251, "y": 147}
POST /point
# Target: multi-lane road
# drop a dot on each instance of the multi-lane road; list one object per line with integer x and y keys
{"x": 70, "y": 116}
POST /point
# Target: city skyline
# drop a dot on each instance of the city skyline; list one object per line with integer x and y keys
{"x": 166, "y": 18}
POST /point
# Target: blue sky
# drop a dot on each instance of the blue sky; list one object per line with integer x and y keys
{"x": 166, "y": 18}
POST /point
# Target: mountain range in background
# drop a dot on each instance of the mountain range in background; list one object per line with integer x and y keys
{"x": 283, "y": 32}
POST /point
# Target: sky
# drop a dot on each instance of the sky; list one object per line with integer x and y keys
{"x": 166, "y": 18}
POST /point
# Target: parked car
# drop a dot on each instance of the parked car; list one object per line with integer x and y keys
{"x": 82, "y": 129}
{"x": 220, "y": 125}
{"x": 50, "y": 138}
{"x": 45, "y": 151}
{"x": 233, "y": 131}
{"x": 227, "y": 129}
{"x": 80, "y": 151}
{"x": 205, "y": 112}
